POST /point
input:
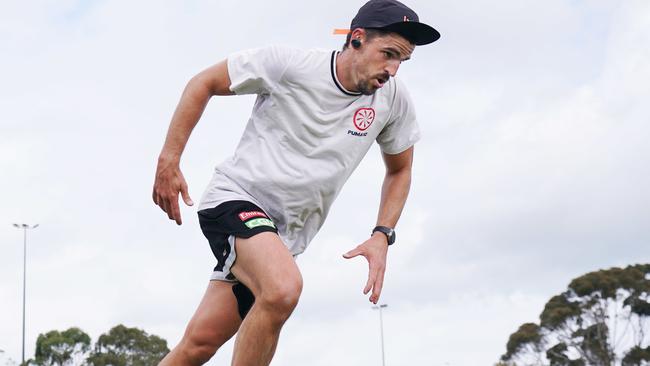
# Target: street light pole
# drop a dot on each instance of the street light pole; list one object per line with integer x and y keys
{"x": 381, "y": 329}
{"x": 25, "y": 227}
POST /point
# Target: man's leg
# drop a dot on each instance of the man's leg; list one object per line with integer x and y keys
{"x": 265, "y": 265}
{"x": 215, "y": 321}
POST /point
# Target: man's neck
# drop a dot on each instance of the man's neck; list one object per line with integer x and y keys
{"x": 343, "y": 67}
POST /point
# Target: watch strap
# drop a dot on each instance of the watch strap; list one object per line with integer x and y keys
{"x": 389, "y": 232}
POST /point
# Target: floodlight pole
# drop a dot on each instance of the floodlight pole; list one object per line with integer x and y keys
{"x": 25, "y": 227}
{"x": 381, "y": 329}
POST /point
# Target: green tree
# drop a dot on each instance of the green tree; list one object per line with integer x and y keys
{"x": 636, "y": 356}
{"x": 527, "y": 339}
{"x": 599, "y": 320}
{"x": 123, "y": 346}
{"x": 61, "y": 348}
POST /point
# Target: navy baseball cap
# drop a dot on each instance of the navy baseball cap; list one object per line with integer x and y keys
{"x": 393, "y": 16}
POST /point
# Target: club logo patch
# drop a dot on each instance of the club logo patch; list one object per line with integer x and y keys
{"x": 250, "y": 214}
{"x": 363, "y": 118}
{"x": 259, "y": 222}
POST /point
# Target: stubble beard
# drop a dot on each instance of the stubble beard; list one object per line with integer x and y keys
{"x": 366, "y": 88}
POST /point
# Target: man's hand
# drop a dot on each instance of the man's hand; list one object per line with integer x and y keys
{"x": 170, "y": 181}
{"x": 375, "y": 251}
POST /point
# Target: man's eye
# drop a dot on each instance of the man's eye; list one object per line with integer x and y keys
{"x": 388, "y": 54}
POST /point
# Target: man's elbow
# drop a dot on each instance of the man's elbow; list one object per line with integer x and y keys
{"x": 197, "y": 88}
{"x": 214, "y": 80}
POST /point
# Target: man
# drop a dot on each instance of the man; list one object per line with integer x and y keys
{"x": 315, "y": 117}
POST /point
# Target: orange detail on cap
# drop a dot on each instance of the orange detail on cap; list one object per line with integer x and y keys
{"x": 341, "y": 31}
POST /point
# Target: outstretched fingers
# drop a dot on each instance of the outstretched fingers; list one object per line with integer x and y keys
{"x": 186, "y": 195}
{"x": 354, "y": 253}
{"x": 377, "y": 286}
{"x": 369, "y": 283}
{"x": 168, "y": 202}
{"x": 174, "y": 212}
{"x": 376, "y": 270}
{"x": 169, "y": 183}
{"x": 375, "y": 280}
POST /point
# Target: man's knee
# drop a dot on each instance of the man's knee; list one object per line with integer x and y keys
{"x": 202, "y": 339}
{"x": 198, "y": 350}
{"x": 281, "y": 298}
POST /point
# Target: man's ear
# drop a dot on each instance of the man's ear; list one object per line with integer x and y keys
{"x": 358, "y": 33}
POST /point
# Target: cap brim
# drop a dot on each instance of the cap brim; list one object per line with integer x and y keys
{"x": 416, "y": 32}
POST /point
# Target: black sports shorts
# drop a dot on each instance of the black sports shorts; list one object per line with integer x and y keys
{"x": 221, "y": 225}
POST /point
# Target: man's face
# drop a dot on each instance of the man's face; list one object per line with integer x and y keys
{"x": 378, "y": 59}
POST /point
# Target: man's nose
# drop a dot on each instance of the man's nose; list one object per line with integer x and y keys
{"x": 392, "y": 66}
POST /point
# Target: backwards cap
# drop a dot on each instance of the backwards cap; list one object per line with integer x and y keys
{"x": 393, "y": 16}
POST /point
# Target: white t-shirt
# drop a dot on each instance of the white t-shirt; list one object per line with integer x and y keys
{"x": 305, "y": 136}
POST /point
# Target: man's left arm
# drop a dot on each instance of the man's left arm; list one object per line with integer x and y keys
{"x": 394, "y": 192}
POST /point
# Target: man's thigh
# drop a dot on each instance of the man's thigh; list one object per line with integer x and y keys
{"x": 227, "y": 221}
{"x": 265, "y": 263}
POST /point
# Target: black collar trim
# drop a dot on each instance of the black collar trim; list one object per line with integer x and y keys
{"x": 336, "y": 80}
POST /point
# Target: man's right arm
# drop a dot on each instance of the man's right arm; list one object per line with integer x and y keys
{"x": 169, "y": 181}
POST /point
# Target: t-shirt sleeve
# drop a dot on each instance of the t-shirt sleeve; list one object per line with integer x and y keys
{"x": 258, "y": 70}
{"x": 402, "y": 130}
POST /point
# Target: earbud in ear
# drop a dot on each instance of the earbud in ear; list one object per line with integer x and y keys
{"x": 355, "y": 43}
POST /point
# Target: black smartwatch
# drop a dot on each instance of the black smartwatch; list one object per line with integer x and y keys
{"x": 390, "y": 233}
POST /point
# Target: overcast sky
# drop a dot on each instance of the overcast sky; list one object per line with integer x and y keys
{"x": 532, "y": 170}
